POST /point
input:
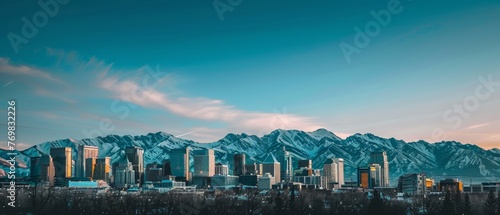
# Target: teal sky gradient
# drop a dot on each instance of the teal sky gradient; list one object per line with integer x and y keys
{"x": 267, "y": 65}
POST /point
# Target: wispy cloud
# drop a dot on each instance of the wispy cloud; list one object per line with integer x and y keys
{"x": 8, "y": 68}
{"x": 206, "y": 109}
{"x": 7, "y": 84}
{"x": 478, "y": 126}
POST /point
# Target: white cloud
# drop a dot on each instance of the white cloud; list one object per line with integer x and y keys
{"x": 206, "y": 109}
{"x": 8, "y": 68}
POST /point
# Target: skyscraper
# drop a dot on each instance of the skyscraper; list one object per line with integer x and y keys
{"x": 340, "y": 170}
{"x": 102, "y": 170}
{"x": 239, "y": 164}
{"x": 204, "y": 163}
{"x": 61, "y": 158}
{"x": 166, "y": 168}
{"x": 330, "y": 172}
{"x": 253, "y": 169}
{"x": 35, "y": 168}
{"x": 154, "y": 172}
{"x": 380, "y": 158}
{"x": 285, "y": 160}
{"x": 89, "y": 167}
{"x": 125, "y": 174}
{"x": 272, "y": 166}
{"x": 47, "y": 170}
{"x": 375, "y": 174}
{"x": 179, "y": 163}
{"x": 135, "y": 155}
{"x": 85, "y": 152}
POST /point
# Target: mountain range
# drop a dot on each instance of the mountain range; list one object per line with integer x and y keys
{"x": 447, "y": 159}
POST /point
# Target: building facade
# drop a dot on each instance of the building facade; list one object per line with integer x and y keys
{"x": 135, "y": 155}
{"x": 272, "y": 166}
{"x": 330, "y": 172}
{"x": 62, "y": 160}
{"x": 204, "y": 163}
{"x": 85, "y": 152}
{"x": 221, "y": 169}
{"x": 286, "y": 168}
{"x": 239, "y": 164}
{"x": 179, "y": 163}
{"x": 380, "y": 158}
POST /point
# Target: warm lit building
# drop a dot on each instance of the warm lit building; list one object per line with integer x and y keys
{"x": 89, "y": 167}
{"x": 83, "y": 153}
{"x": 62, "y": 160}
{"x": 453, "y": 185}
{"x": 376, "y": 175}
{"x": 380, "y": 158}
{"x": 102, "y": 170}
{"x": 364, "y": 178}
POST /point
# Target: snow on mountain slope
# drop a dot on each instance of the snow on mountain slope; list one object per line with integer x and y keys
{"x": 439, "y": 160}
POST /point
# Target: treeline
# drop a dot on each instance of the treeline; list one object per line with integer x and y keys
{"x": 64, "y": 201}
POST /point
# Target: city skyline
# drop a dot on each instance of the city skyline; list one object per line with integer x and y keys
{"x": 429, "y": 73}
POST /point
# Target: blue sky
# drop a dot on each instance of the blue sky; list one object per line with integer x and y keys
{"x": 176, "y": 66}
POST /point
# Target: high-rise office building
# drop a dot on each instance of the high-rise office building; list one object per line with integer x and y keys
{"x": 285, "y": 160}
{"x": 35, "y": 168}
{"x": 364, "y": 178}
{"x": 340, "y": 170}
{"x": 412, "y": 184}
{"x": 83, "y": 153}
{"x": 90, "y": 167}
{"x": 179, "y": 164}
{"x": 154, "y": 172}
{"x": 305, "y": 163}
{"x": 204, "y": 163}
{"x": 125, "y": 174}
{"x": 253, "y": 169}
{"x": 102, "y": 170}
{"x": 330, "y": 172}
{"x": 221, "y": 169}
{"x": 166, "y": 168}
{"x": 62, "y": 160}
{"x": 239, "y": 164}
{"x": 375, "y": 174}
{"x": 47, "y": 171}
{"x": 135, "y": 155}
{"x": 272, "y": 166}
{"x": 380, "y": 158}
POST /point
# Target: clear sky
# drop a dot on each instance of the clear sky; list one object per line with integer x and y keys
{"x": 202, "y": 69}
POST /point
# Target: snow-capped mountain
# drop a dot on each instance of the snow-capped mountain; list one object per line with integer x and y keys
{"x": 439, "y": 160}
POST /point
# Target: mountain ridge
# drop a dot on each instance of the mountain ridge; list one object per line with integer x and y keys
{"x": 439, "y": 160}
